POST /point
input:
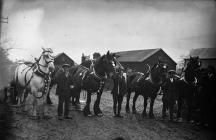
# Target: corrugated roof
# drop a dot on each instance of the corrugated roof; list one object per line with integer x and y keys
{"x": 204, "y": 53}
{"x": 136, "y": 55}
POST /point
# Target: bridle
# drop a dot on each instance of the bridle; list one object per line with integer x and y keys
{"x": 44, "y": 75}
{"x": 46, "y": 63}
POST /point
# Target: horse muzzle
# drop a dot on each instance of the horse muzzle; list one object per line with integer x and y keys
{"x": 52, "y": 68}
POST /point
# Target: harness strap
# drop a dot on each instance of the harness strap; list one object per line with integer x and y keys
{"x": 26, "y": 83}
{"x": 140, "y": 77}
{"x": 95, "y": 74}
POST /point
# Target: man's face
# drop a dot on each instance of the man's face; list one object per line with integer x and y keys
{"x": 66, "y": 70}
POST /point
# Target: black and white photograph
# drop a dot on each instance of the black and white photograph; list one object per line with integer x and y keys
{"x": 108, "y": 69}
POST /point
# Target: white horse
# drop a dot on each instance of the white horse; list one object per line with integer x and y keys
{"x": 35, "y": 78}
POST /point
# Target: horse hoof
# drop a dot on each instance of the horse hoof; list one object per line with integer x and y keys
{"x": 180, "y": 120}
{"x": 144, "y": 114}
{"x": 47, "y": 117}
{"x": 89, "y": 115}
{"x": 134, "y": 112}
{"x": 34, "y": 117}
{"x": 127, "y": 110}
{"x": 152, "y": 116}
{"x": 100, "y": 115}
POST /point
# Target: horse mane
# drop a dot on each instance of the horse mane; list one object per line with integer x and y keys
{"x": 190, "y": 70}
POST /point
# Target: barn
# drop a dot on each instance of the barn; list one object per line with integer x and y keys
{"x": 137, "y": 59}
{"x": 62, "y": 58}
{"x": 206, "y": 55}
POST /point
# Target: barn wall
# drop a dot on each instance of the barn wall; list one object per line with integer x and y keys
{"x": 162, "y": 56}
{"x": 62, "y": 59}
{"x": 206, "y": 62}
{"x": 142, "y": 67}
{"x": 137, "y": 66}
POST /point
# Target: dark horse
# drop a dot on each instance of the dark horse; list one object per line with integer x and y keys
{"x": 119, "y": 90}
{"x": 93, "y": 80}
{"x": 186, "y": 86}
{"x": 146, "y": 85}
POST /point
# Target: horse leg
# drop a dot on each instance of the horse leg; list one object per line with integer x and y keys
{"x": 151, "y": 114}
{"x": 145, "y": 105}
{"x": 77, "y": 101}
{"x": 134, "y": 102}
{"x": 164, "y": 109}
{"x": 189, "y": 104}
{"x": 73, "y": 101}
{"x": 120, "y": 99}
{"x": 170, "y": 106}
{"x": 48, "y": 100}
{"x": 114, "y": 103}
{"x": 97, "y": 109}
{"x": 179, "y": 102}
{"x": 127, "y": 108}
{"x": 86, "y": 110}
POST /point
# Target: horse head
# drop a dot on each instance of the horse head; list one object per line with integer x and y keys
{"x": 159, "y": 71}
{"x": 193, "y": 64}
{"x": 192, "y": 69}
{"x": 106, "y": 65}
{"x": 46, "y": 60}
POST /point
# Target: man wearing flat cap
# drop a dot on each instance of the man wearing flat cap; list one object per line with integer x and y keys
{"x": 64, "y": 85}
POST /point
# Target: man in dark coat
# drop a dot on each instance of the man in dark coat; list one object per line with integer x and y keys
{"x": 64, "y": 85}
{"x": 170, "y": 94}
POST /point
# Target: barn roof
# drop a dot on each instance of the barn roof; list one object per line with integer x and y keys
{"x": 204, "y": 53}
{"x": 63, "y": 55}
{"x": 59, "y": 54}
{"x": 136, "y": 55}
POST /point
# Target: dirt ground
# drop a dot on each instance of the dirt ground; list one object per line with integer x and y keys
{"x": 131, "y": 127}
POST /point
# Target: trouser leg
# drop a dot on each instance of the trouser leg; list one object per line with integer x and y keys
{"x": 66, "y": 105}
{"x": 60, "y": 105}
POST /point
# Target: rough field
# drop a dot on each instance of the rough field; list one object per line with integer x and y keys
{"x": 131, "y": 127}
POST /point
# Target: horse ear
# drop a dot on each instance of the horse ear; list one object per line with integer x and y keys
{"x": 108, "y": 53}
{"x": 43, "y": 48}
{"x": 51, "y": 51}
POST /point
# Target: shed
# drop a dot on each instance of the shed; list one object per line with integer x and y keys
{"x": 62, "y": 58}
{"x": 137, "y": 59}
{"x": 206, "y": 55}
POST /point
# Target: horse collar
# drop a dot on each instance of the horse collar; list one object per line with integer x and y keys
{"x": 41, "y": 74}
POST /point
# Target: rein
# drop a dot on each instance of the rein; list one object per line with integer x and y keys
{"x": 94, "y": 72}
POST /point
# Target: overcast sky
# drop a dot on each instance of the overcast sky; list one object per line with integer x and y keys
{"x": 88, "y": 26}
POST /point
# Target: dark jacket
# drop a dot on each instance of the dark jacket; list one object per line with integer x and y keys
{"x": 63, "y": 83}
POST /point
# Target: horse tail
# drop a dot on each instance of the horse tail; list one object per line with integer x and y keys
{"x": 15, "y": 77}
{"x": 14, "y": 84}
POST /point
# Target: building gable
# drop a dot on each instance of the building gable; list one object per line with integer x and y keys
{"x": 204, "y": 53}
{"x": 62, "y": 58}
